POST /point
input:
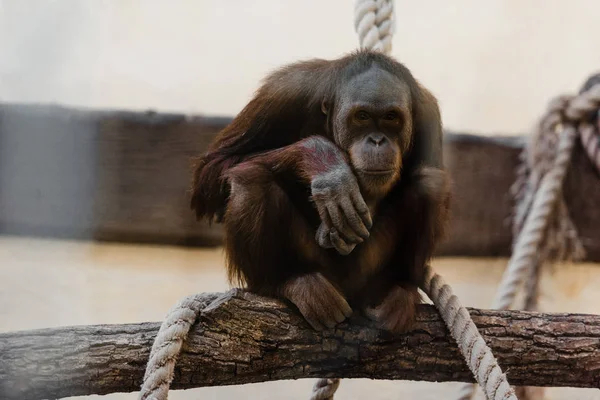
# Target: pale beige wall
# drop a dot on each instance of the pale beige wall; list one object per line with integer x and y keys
{"x": 493, "y": 64}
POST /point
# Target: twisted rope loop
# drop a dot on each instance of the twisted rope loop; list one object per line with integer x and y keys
{"x": 541, "y": 204}
{"x": 374, "y": 24}
{"x": 542, "y": 228}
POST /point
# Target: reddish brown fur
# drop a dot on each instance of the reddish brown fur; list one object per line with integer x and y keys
{"x": 257, "y": 177}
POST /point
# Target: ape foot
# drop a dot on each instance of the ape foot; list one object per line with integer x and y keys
{"x": 397, "y": 312}
{"x": 318, "y": 301}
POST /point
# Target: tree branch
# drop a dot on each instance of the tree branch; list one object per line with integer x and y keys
{"x": 243, "y": 338}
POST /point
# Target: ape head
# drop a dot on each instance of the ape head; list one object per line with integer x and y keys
{"x": 371, "y": 116}
{"x": 368, "y": 105}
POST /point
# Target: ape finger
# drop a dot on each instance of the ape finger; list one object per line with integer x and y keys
{"x": 340, "y": 245}
{"x": 354, "y": 220}
{"x": 313, "y": 321}
{"x": 323, "y": 214}
{"x": 333, "y": 313}
{"x": 362, "y": 209}
{"x": 339, "y": 223}
{"x": 344, "y": 307}
{"x": 322, "y": 237}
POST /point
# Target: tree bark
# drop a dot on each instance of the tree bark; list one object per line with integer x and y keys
{"x": 242, "y": 338}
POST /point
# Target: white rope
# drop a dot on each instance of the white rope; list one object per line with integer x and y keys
{"x": 476, "y": 352}
{"x": 529, "y": 240}
{"x": 325, "y": 388}
{"x": 374, "y": 24}
{"x": 565, "y": 114}
{"x": 167, "y": 346}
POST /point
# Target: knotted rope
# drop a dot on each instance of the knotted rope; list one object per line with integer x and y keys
{"x": 542, "y": 228}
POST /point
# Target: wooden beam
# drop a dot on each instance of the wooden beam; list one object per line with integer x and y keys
{"x": 242, "y": 338}
{"x": 123, "y": 176}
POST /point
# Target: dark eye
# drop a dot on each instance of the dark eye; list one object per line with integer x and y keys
{"x": 391, "y": 116}
{"x": 362, "y": 116}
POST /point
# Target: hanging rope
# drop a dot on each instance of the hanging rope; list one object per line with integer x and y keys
{"x": 476, "y": 352}
{"x": 167, "y": 345}
{"x": 325, "y": 388}
{"x": 374, "y": 23}
{"x": 542, "y": 228}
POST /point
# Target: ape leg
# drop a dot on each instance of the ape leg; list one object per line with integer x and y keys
{"x": 397, "y": 311}
{"x": 271, "y": 247}
{"x": 422, "y": 208}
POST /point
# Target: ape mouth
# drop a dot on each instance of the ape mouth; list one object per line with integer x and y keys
{"x": 377, "y": 171}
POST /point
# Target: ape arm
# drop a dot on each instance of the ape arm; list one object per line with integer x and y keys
{"x": 322, "y": 166}
{"x": 283, "y": 110}
{"x": 421, "y": 211}
{"x": 309, "y": 159}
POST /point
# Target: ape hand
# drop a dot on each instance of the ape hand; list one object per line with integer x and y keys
{"x": 345, "y": 217}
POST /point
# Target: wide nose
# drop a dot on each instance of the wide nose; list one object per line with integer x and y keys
{"x": 377, "y": 139}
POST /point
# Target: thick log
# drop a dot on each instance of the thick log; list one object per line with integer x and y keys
{"x": 124, "y": 176}
{"x": 241, "y": 338}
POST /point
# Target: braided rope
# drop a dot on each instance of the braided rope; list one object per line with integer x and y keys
{"x": 374, "y": 23}
{"x": 325, "y": 388}
{"x": 590, "y": 140}
{"x": 542, "y": 224}
{"x": 476, "y": 352}
{"x": 585, "y": 108}
{"x": 590, "y": 137}
{"x": 167, "y": 346}
{"x": 531, "y": 236}
{"x": 565, "y": 113}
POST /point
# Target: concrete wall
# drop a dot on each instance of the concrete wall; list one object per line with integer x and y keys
{"x": 493, "y": 64}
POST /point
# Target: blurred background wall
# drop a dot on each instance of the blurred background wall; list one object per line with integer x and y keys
{"x": 493, "y": 64}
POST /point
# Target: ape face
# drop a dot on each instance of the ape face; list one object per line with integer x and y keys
{"x": 372, "y": 123}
